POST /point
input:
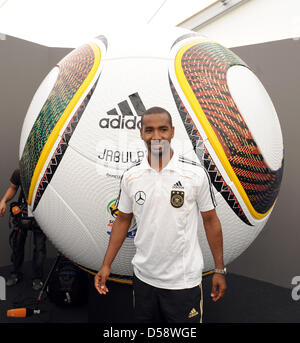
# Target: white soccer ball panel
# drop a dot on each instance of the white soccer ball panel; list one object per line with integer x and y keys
{"x": 85, "y": 195}
{"x": 258, "y": 112}
{"x": 64, "y": 228}
{"x": 142, "y": 43}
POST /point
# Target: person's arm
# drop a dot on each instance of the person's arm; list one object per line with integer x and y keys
{"x": 9, "y": 194}
{"x": 118, "y": 234}
{"x": 214, "y": 236}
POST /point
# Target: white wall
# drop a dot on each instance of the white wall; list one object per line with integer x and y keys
{"x": 256, "y": 21}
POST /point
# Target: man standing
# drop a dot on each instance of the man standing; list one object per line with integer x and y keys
{"x": 165, "y": 193}
{"x": 19, "y": 234}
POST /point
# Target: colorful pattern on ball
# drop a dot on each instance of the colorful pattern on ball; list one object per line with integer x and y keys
{"x": 61, "y": 148}
{"x": 206, "y": 160}
{"x": 205, "y": 66}
{"x": 73, "y": 70}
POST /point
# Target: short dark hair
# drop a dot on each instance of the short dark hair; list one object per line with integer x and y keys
{"x": 156, "y": 110}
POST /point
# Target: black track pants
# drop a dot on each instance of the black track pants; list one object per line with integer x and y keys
{"x": 157, "y": 305}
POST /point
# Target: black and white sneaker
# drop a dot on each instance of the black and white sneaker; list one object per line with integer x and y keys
{"x": 37, "y": 284}
{"x": 12, "y": 280}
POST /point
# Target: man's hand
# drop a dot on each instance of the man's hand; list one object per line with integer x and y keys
{"x": 2, "y": 208}
{"x": 100, "y": 279}
{"x": 218, "y": 286}
{"x": 214, "y": 236}
{"x": 118, "y": 234}
{"x": 9, "y": 194}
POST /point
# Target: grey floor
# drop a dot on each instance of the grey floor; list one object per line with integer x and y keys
{"x": 246, "y": 301}
{"x": 22, "y": 295}
{"x": 251, "y": 301}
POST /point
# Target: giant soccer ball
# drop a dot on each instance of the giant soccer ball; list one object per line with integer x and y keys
{"x": 81, "y": 132}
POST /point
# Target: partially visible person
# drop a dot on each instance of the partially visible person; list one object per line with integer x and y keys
{"x": 20, "y": 224}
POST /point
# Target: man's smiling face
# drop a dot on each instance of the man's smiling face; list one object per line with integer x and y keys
{"x": 157, "y": 133}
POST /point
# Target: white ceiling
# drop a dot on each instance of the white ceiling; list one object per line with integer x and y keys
{"x": 68, "y": 23}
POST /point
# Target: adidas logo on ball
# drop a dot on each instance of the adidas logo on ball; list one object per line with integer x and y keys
{"x": 128, "y": 119}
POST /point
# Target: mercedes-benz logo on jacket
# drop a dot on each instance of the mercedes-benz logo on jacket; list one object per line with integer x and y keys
{"x": 140, "y": 197}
